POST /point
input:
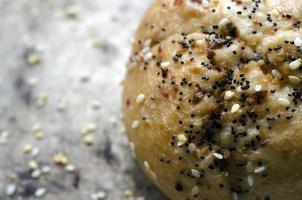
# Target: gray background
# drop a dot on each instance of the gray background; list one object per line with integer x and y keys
{"x": 62, "y": 33}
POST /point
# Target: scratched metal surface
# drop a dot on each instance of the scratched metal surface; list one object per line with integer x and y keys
{"x": 82, "y": 48}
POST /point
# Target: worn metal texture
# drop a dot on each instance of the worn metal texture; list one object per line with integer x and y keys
{"x": 61, "y": 64}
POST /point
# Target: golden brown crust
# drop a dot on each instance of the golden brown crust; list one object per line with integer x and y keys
{"x": 212, "y": 99}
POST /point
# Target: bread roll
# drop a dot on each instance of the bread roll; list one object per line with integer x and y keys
{"x": 212, "y": 99}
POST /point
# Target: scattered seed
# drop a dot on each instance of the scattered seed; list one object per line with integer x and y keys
{"x": 284, "y": 102}
{"x": 229, "y": 95}
{"x": 182, "y": 139}
{"x": 195, "y": 173}
{"x": 60, "y": 159}
{"x": 258, "y": 88}
{"x": 4, "y": 137}
{"x": 295, "y": 64}
{"x": 34, "y": 58}
{"x": 70, "y": 168}
{"x": 33, "y": 165}
{"x": 148, "y": 56}
{"x": 11, "y": 189}
{"x": 195, "y": 191}
{"x": 140, "y": 98}
{"x": 235, "y": 196}
{"x": 39, "y": 135}
{"x": 294, "y": 79}
{"x": 276, "y": 74}
{"x": 40, "y": 192}
{"x": 165, "y": 64}
{"x": 192, "y": 147}
{"x": 36, "y": 173}
{"x": 259, "y": 170}
{"x": 27, "y": 149}
{"x": 298, "y": 42}
{"x": 250, "y": 180}
{"x": 98, "y": 196}
{"x": 135, "y": 124}
{"x": 235, "y": 108}
{"x": 45, "y": 169}
{"x": 218, "y": 156}
{"x": 88, "y": 139}
{"x": 200, "y": 42}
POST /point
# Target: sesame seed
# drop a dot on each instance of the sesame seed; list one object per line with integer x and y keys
{"x": 32, "y": 81}
{"x": 148, "y": 56}
{"x": 182, "y": 139}
{"x": 235, "y": 196}
{"x": 46, "y": 169}
{"x": 153, "y": 174}
{"x": 34, "y": 59}
{"x": 218, "y": 156}
{"x": 205, "y": 3}
{"x": 147, "y": 165}
{"x": 275, "y": 12}
{"x": 294, "y": 79}
{"x": 258, "y": 88}
{"x": 229, "y": 95}
{"x": 128, "y": 193}
{"x": 35, "y": 151}
{"x": 36, "y": 173}
{"x": 298, "y": 42}
{"x": 146, "y": 50}
{"x": 148, "y": 168}
{"x": 259, "y": 170}
{"x": 135, "y": 124}
{"x": 165, "y": 64}
{"x": 11, "y": 189}
{"x": 27, "y": 149}
{"x": 89, "y": 128}
{"x": 284, "y": 102}
{"x": 36, "y": 127}
{"x": 250, "y": 167}
{"x": 132, "y": 148}
{"x": 200, "y": 42}
{"x": 276, "y": 74}
{"x": 4, "y": 137}
{"x": 250, "y": 180}
{"x": 70, "y": 168}
{"x": 39, "y": 135}
{"x": 140, "y": 98}
{"x": 235, "y": 108}
{"x": 40, "y": 192}
{"x": 12, "y": 176}
{"x": 33, "y": 165}
{"x": 238, "y": 89}
{"x": 60, "y": 159}
{"x": 295, "y": 64}
{"x": 147, "y": 43}
{"x": 223, "y": 22}
{"x": 41, "y": 99}
{"x": 195, "y": 190}
{"x": 195, "y": 173}
{"x": 98, "y": 196}
{"x": 88, "y": 139}
{"x": 192, "y": 147}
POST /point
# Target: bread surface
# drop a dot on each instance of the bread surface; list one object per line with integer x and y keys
{"x": 212, "y": 99}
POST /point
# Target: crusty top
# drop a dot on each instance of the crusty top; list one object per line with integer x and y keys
{"x": 212, "y": 98}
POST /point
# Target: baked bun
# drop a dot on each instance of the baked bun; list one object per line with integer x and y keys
{"x": 212, "y": 99}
